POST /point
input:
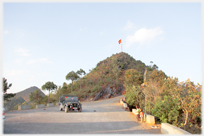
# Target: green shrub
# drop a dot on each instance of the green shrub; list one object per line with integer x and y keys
{"x": 167, "y": 110}
{"x": 88, "y": 91}
{"x": 25, "y": 103}
{"x": 44, "y": 100}
{"x": 32, "y": 106}
{"x": 122, "y": 65}
{"x": 101, "y": 83}
{"x": 134, "y": 96}
{"x": 92, "y": 94}
{"x": 96, "y": 88}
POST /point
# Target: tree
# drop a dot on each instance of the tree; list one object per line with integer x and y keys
{"x": 153, "y": 88}
{"x": 134, "y": 94}
{"x": 157, "y": 76}
{"x": 190, "y": 100}
{"x": 155, "y": 66}
{"x": 64, "y": 89}
{"x": 72, "y": 76}
{"x": 133, "y": 77}
{"x": 36, "y": 96}
{"x": 81, "y": 72}
{"x": 49, "y": 86}
{"x": 44, "y": 99}
{"x": 58, "y": 92}
{"x": 151, "y": 91}
{"x": 6, "y": 86}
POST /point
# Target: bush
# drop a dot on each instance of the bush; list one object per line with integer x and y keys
{"x": 101, "y": 82}
{"x": 52, "y": 100}
{"x": 96, "y": 88}
{"x": 25, "y": 103}
{"x": 109, "y": 80}
{"x": 92, "y": 94}
{"x": 16, "y": 107}
{"x": 122, "y": 65}
{"x": 32, "y": 106}
{"x": 88, "y": 91}
{"x": 44, "y": 100}
{"x": 134, "y": 96}
{"x": 167, "y": 110}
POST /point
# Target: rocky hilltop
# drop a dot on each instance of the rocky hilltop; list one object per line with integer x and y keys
{"x": 114, "y": 68}
{"x": 106, "y": 79}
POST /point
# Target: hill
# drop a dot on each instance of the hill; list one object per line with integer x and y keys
{"x": 21, "y": 97}
{"x": 106, "y": 79}
{"x": 26, "y": 93}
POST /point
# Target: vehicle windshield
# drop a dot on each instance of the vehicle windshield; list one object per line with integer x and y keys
{"x": 71, "y": 99}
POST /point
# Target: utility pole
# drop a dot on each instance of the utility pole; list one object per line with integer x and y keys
{"x": 145, "y": 84}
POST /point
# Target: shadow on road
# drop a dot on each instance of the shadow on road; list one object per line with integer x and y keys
{"x": 124, "y": 127}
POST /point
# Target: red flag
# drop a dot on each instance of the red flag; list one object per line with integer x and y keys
{"x": 119, "y": 41}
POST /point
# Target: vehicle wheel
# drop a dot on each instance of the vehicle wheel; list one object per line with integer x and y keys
{"x": 66, "y": 109}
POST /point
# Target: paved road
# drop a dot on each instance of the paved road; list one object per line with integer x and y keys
{"x": 100, "y": 117}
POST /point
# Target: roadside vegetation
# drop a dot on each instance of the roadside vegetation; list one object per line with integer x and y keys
{"x": 170, "y": 101}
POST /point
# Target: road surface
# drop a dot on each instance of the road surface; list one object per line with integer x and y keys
{"x": 100, "y": 117}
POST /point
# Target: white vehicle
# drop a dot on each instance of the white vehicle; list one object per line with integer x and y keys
{"x": 3, "y": 114}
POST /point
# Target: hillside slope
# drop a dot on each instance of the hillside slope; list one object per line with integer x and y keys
{"x": 106, "y": 79}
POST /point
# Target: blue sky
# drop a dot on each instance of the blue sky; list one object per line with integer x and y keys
{"x": 45, "y": 41}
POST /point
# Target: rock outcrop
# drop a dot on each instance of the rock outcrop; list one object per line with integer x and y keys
{"x": 109, "y": 92}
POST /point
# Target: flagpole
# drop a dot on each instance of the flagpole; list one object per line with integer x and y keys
{"x": 120, "y": 43}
